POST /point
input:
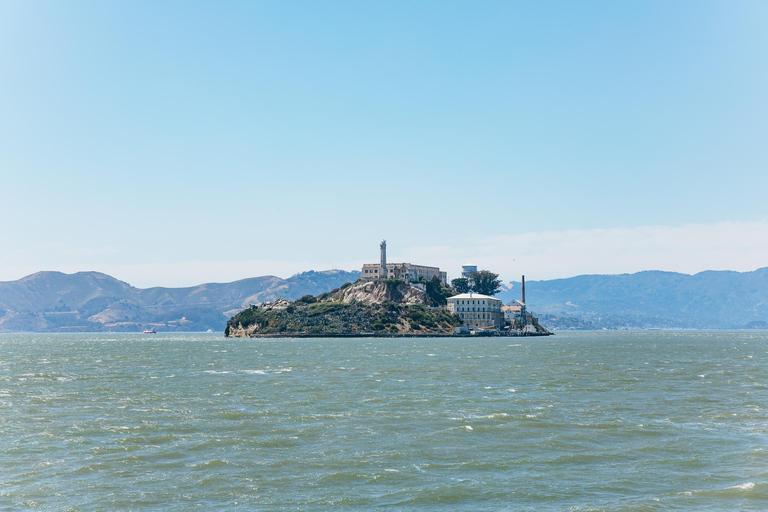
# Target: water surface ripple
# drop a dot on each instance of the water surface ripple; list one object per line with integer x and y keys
{"x": 580, "y": 421}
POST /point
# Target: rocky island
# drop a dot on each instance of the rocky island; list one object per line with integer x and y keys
{"x": 381, "y": 308}
{"x": 394, "y": 299}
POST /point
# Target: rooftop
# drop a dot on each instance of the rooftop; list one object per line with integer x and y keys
{"x": 474, "y": 296}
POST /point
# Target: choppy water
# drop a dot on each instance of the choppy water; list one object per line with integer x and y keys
{"x": 587, "y": 421}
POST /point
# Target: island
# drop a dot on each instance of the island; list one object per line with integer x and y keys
{"x": 385, "y": 308}
{"x": 394, "y": 299}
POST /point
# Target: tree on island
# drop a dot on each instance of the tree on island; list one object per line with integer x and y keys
{"x": 460, "y": 284}
{"x": 485, "y": 282}
{"x": 437, "y": 293}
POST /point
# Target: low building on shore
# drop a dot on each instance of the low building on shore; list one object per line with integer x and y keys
{"x": 511, "y": 313}
{"x": 516, "y": 312}
{"x": 477, "y": 311}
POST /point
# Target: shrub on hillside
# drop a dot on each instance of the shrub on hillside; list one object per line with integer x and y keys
{"x": 321, "y": 308}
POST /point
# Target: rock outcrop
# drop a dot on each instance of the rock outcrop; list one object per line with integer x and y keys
{"x": 377, "y": 292}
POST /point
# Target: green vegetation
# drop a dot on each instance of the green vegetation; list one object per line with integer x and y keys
{"x": 322, "y": 308}
{"x": 485, "y": 282}
{"x": 327, "y": 295}
{"x": 460, "y": 284}
{"x": 392, "y": 286}
{"x": 482, "y": 281}
{"x": 315, "y": 316}
{"x": 437, "y": 293}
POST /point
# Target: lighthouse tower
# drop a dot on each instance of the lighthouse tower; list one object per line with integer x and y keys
{"x": 383, "y": 271}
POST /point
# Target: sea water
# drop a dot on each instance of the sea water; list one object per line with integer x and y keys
{"x": 577, "y": 421}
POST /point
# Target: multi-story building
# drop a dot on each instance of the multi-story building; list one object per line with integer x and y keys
{"x": 477, "y": 311}
{"x": 403, "y": 271}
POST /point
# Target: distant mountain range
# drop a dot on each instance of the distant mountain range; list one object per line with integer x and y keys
{"x": 650, "y": 299}
{"x": 92, "y": 301}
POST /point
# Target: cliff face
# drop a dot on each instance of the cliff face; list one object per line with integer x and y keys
{"x": 239, "y": 331}
{"x": 377, "y": 292}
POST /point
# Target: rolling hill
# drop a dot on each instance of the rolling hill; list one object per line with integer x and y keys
{"x": 92, "y": 301}
{"x": 650, "y": 299}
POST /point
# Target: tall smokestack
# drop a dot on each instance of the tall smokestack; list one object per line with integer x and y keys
{"x": 523, "y": 297}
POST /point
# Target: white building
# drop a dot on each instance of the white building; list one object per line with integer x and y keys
{"x": 511, "y": 313}
{"x": 516, "y": 311}
{"x": 477, "y": 311}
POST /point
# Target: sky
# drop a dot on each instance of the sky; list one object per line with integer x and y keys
{"x": 180, "y": 142}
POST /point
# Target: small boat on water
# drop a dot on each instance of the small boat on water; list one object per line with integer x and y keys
{"x": 150, "y": 331}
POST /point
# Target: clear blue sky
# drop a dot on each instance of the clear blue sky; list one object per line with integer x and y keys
{"x": 182, "y": 142}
